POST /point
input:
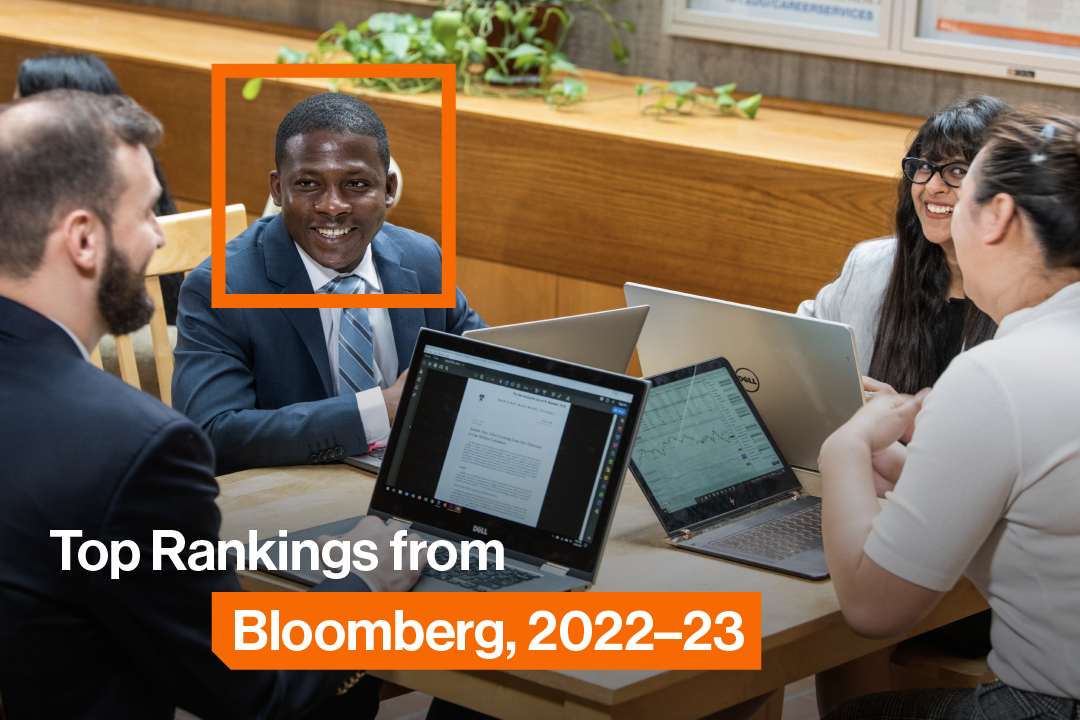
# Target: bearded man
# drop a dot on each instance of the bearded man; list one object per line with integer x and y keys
{"x": 86, "y": 453}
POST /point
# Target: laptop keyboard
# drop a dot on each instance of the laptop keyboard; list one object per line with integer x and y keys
{"x": 473, "y": 579}
{"x": 778, "y": 539}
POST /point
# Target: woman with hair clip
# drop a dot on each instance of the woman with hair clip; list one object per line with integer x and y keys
{"x": 904, "y": 299}
{"x": 904, "y": 296}
{"x": 988, "y": 485}
{"x": 90, "y": 74}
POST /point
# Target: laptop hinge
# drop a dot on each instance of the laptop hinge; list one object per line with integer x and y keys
{"x": 554, "y": 569}
{"x": 688, "y": 532}
{"x": 403, "y": 521}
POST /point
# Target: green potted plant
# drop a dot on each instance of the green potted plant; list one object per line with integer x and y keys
{"x": 501, "y": 48}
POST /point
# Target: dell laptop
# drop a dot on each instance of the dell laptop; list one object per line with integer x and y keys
{"x": 717, "y": 480}
{"x": 802, "y": 373}
{"x": 491, "y": 443}
{"x": 604, "y": 340}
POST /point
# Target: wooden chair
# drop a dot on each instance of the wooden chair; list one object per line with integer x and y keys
{"x": 187, "y": 243}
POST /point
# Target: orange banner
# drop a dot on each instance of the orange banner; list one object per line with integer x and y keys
{"x": 1008, "y": 33}
{"x": 496, "y": 631}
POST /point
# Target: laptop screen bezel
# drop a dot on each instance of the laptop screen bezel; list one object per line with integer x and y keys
{"x": 761, "y": 490}
{"x": 519, "y": 541}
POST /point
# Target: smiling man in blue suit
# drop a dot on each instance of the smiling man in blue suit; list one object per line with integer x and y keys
{"x": 295, "y": 386}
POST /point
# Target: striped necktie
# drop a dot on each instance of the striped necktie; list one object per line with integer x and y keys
{"x": 355, "y": 352}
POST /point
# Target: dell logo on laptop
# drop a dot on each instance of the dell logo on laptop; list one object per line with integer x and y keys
{"x": 479, "y": 530}
{"x": 748, "y": 379}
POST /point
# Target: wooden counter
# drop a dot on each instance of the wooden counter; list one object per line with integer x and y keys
{"x": 555, "y": 209}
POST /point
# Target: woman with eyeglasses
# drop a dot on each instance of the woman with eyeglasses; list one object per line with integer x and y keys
{"x": 904, "y": 296}
{"x": 988, "y": 485}
{"x": 904, "y": 299}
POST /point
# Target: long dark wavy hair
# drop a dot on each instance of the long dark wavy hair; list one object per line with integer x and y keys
{"x": 909, "y": 348}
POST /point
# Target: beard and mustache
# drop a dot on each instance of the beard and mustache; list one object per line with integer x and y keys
{"x": 122, "y": 299}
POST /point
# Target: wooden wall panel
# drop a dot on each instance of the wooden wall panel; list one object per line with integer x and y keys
{"x": 504, "y": 294}
{"x": 614, "y": 209}
{"x": 176, "y": 95}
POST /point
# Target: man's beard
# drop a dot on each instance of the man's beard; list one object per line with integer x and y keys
{"x": 122, "y": 298}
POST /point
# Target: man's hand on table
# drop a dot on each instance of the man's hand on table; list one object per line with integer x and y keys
{"x": 384, "y": 578}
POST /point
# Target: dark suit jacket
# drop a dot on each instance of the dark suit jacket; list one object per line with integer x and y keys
{"x": 82, "y": 450}
{"x": 258, "y": 381}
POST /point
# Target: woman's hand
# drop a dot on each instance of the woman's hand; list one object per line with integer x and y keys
{"x": 887, "y": 465}
{"x": 873, "y": 388}
{"x": 886, "y": 418}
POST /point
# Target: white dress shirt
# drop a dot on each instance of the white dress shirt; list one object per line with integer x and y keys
{"x": 77, "y": 341}
{"x": 372, "y": 406}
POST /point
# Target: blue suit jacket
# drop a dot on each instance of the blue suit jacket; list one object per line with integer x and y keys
{"x": 258, "y": 381}
{"x": 117, "y": 465}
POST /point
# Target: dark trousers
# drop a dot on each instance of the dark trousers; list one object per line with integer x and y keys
{"x": 994, "y": 701}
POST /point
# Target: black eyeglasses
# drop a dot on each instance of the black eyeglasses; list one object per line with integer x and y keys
{"x": 920, "y": 171}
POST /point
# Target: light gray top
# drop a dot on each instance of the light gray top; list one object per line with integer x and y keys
{"x": 856, "y": 297}
{"x": 989, "y": 490}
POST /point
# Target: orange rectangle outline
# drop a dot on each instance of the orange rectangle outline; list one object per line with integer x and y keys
{"x": 219, "y": 73}
{"x": 1005, "y": 32}
{"x": 669, "y": 611}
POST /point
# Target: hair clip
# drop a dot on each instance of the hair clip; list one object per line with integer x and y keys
{"x": 1047, "y": 134}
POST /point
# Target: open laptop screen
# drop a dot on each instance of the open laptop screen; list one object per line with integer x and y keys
{"x": 499, "y": 444}
{"x": 702, "y": 450}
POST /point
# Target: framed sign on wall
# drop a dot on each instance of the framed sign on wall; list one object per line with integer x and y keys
{"x": 1026, "y": 40}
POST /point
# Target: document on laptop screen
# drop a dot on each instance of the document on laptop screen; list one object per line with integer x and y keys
{"x": 502, "y": 451}
{"x": 510, "y": 443}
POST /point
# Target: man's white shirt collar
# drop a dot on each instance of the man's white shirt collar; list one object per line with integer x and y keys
{"x": 320, "y": 275}
{"x": 77, "y": 341}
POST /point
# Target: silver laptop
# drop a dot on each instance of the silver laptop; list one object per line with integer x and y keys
{"x": 802, "y": 373}
{"x": 604, "y": 340}
{"x": 715, "y": 478}
{"x": 496, "y": 444}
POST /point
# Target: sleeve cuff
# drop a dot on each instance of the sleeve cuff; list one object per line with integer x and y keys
{"x": 350, "y": 583}
{"x": 373, "y": 415}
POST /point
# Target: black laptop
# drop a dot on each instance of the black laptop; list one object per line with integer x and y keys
{"x": 717, "y": 480}
{"x": 491, "y": 443}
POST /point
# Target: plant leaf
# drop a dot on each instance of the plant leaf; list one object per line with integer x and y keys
{"x": 396, "y": 43}
{"x": 561, "y": 64}
{"x": 724, "y": 89}
{"x": 384, "y": 22}
{"x": 619, "y": 51}
{"x": 333, "y": 85}
{"x": 523, "y": 50}
{"x": 444, "y": 27}
{"x": 493, "y": 75}
{"x": 628, "y": 26}
{"x": 479, "y": 46}
{"x": 682, "y": 87}
{"x": 642, "y": 89}
{"x": 502, "y": 11}
{"x": 252, "y": 88}
{"x": 750, "y": 105}
{"x": 521, "y": 19}
{"x": 287, "y": 55}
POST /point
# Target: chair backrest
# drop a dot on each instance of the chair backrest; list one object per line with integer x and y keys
{"x": 187, "y": 243}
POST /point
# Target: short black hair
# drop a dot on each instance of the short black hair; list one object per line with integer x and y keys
{"x": 63, "y": 161}
{"x": 332, "y": 111}
{"x": 73, "y": 72}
